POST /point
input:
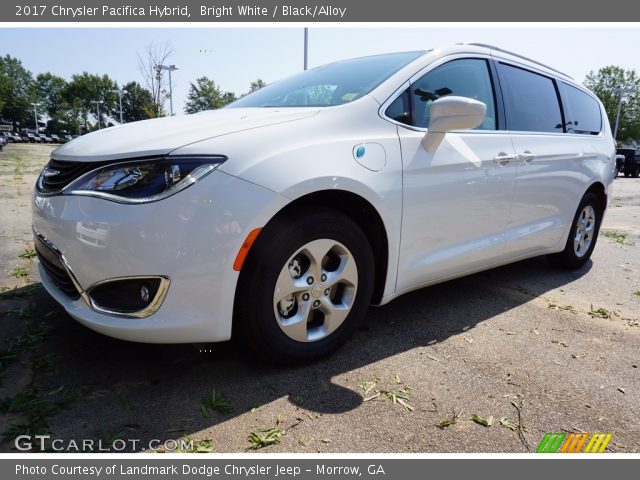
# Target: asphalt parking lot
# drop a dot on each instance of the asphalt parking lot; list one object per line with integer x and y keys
{"x": 538, "y": 349}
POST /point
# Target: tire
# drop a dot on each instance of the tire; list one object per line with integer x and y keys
{"x": 586, "y": 222}
{"x": 310, "y": 323}
{"x": 635, "y": 172}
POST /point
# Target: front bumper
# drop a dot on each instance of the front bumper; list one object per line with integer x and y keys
{"x": 191, "y": 238}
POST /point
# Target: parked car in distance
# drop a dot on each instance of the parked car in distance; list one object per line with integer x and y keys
{"x": 619, "y": 164}
{"x": 28, "y": 137}
{"x": 3, "y": 141}
{"x": 631, "y": 161}
{"x": 299, "y": 205}
{"x": 7, "y": 137}
{"x": 17, "y": 138}
{"x": 55, "y": 138}
{"x": 45, "y": 138}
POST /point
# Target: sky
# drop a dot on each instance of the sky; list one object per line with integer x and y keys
{"x": 233, "y": 57}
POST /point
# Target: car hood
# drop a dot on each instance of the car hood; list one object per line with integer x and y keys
{"x": 163, "y": 135}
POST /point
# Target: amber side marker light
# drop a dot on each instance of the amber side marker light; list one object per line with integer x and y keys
{"x": 244, "y": 249}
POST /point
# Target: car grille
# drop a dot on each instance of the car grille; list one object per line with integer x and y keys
{"x": 54, "y": 269}
{"x": 61, "y": 173}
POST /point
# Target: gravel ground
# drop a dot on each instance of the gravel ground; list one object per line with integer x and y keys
{"x": 547, "y": 349}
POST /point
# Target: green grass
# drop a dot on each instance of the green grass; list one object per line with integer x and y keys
{"x": 19, "y": 272}
{"x": 216, "y": 403}
{"x": 264, "y": 437}
{"x": 27, "y": 342}
{"x": 22, "y": 292}
{"x": 600, "y": 313}
{"x": 28, "y": 253}
{"x": 617, "y": 237}
{"x": 198, "y": 446}
{"x": 34, "y": 408}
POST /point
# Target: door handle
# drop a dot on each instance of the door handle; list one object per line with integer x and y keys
{"x": 526, "y": 156}
{"x": 504, "y": 158}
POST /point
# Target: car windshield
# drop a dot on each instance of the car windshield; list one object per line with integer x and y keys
{"x": 329, "y": 85}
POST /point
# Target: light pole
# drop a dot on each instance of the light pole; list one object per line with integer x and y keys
{"x": 98, "y": 103}
{"x": 169, "y": 68}
{"x": 306, "y": 46}
{"x": 35, "y": 114}
{"x": 621, "y": 91}
{"x": 120, "y": 93}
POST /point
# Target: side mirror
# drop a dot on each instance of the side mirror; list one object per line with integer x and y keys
{"x": 451, "y": 113}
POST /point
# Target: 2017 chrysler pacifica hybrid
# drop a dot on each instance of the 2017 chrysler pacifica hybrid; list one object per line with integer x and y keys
{"x": 290, "y": 211}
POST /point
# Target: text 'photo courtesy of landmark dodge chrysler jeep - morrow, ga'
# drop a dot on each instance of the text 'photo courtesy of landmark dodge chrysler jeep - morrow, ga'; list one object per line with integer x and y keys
{"x": 290, "y": 211}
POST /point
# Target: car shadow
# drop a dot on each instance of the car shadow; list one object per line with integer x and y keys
{"x": 157, "y": 390}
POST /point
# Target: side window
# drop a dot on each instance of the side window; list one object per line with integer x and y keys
{"x": 400, "y": 109}
{"x": 467, "y": 77}
{"x": 581, "y": 112}
{"x": 530, "y": 100}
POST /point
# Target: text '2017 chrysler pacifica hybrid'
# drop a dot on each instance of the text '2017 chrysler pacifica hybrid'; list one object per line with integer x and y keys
{"x": 290, "y": 211}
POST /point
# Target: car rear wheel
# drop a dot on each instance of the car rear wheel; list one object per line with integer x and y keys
{"x": 582, "y": 236}
{"x": 305, "y": 286}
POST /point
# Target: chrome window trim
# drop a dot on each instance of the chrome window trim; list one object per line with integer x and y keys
{"x": 423, "y": 71}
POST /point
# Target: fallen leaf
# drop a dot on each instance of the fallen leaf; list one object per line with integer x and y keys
{"x": 510, "y": 424}
{"x": 484, "y": 421}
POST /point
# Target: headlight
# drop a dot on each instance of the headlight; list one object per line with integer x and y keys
{"x": 143, "y": 181}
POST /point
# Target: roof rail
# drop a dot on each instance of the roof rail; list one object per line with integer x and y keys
{"x": 493, "y": 47}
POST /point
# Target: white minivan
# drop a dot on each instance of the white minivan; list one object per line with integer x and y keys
{"x": 284, "y": 215}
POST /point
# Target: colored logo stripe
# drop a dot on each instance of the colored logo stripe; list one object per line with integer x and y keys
{"x": 550, "y": 443}
{"x": 574, "y": 442}
{"x": 598, "y": 443}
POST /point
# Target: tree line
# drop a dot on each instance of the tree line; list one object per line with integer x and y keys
{"x": 68, "y": 104}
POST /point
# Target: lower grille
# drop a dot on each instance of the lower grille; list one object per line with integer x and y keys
{"x": 54, "y": 269}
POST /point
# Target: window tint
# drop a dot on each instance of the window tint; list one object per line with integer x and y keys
{"x": 581, "y": 111}
{"x": 530, "y": 100}
{"x": 464, "y": 78}
{"x": 400, "y": 109}
{"x": 333, "y": 84}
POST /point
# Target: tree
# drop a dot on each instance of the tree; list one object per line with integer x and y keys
{"x": 137, "y": 103}
{"x": 155, "y": 80}
{"x": 206, "y": 95}
{"x": 84, "y": 88}
{"x": 16, "y": 91}
{"x": 602, "y": 83}
{"x": 50, "y": 90}
{"x": 255, "y": 85}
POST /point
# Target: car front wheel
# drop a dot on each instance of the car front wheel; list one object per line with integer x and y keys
{"x": 305, "y": 286}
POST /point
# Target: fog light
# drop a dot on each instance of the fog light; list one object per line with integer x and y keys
{"x": 129, "y": 296}
{"x": 144, "y": 293}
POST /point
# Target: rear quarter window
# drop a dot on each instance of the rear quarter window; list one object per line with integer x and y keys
{"x": 581, "y": 111}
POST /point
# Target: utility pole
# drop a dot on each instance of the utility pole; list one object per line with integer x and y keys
{"x": 35, "y": 114}
{"x": 98, "y": 102}
{"x": 120, "y": 93}
{"x": 306, "y": 47}
{"x": 620, "y": 91}
{"x": 169, "y": 68}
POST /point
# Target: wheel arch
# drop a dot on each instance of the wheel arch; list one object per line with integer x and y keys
{"x": 598, "y": 189}
{"x": 361, "y": 212}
